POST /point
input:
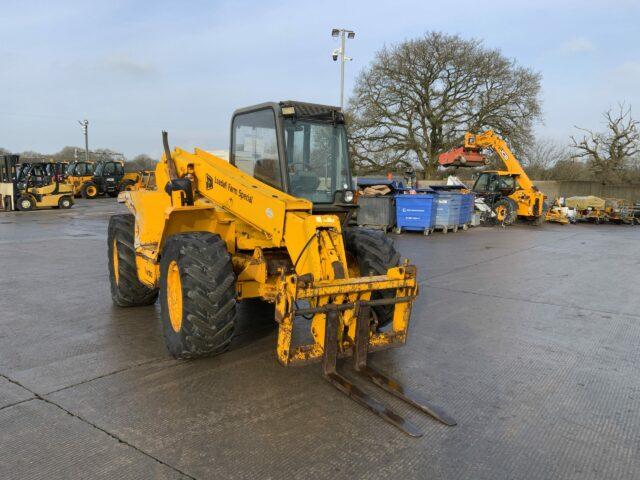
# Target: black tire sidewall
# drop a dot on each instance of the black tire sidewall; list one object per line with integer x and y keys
{"x": 200, "y": 334}
{"x": 128, "y": 292}
{"x": 174, "y": 340}
{"x": 62, "y": 200}
{"x": 358, "y": 243}
{"x": 84, "y": 190}
{"x": 25, "y": 199}
{"x": 512, "y": 210}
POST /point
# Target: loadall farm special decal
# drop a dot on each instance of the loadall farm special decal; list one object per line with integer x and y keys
{"x": 230, "y": 188}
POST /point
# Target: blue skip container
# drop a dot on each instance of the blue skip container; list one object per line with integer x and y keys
{"x": 466, "y": 209}
{"x": 448, "y": 208}
{"x": 415, "y": 212}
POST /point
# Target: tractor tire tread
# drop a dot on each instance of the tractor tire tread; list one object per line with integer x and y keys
{"x": 209, "y": 306}
{"x": 375, "y": 253}
{"x": 129, "y": 291}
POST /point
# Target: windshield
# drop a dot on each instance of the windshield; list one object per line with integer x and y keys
{"x": 491, "y": 182}
{"x": 317, "y": 159}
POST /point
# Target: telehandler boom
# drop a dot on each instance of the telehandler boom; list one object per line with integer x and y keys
{"x": 270, "y": 224}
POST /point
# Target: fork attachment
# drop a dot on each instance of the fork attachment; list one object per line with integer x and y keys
{"x": 329, "y": 370}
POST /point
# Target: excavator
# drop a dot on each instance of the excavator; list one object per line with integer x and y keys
{"x": 269, "y": 224}
{"x": 510, "y": 193}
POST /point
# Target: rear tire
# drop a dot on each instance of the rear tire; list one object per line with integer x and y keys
{"x": 89, "y": 190}
{"x": 374, "y": 253}
{"x": 65, "y": 202}
{"x": 126, "y": 289}
{"x": 197, "y": 295}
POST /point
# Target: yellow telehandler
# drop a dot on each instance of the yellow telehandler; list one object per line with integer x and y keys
{"x": 510, "y": 193}
{"x": 106, "y": 177}
{"x": 270, "y": 224}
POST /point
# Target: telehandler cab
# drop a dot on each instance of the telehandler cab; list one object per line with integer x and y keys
{"x": 271, "y": 224}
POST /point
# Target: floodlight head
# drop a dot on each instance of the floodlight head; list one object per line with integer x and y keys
{"x": 351, "y": 34}
{"x": 335, "y": 32}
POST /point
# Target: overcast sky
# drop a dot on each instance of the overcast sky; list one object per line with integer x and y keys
{"x": 135, "y": 67}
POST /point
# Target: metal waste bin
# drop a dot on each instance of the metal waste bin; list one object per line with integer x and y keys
{"x": 415, "y": 212}
{"x": 448, "y": 206}
{"x": 377, "y": 212}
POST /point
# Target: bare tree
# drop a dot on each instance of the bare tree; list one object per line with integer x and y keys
{"x": 608, "y": 152}
{"x": 542, "y": 156}
{"x": 418, "y": 98}
{"x": 140, "y": 162}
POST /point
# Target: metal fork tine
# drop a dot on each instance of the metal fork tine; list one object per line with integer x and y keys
{"x": 348, "y": 388}
{"x": 409, "y": 396}
{"x": 345, "y": 386}
{"x": 392, "y": 386}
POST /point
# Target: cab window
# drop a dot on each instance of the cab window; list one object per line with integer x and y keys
{"x": 254, "y": 148}
{"x": 482, "y": 183}
{"x": 112, "y": 168}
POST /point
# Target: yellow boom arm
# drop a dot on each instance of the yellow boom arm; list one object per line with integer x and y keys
{"x": 489, "y": 139}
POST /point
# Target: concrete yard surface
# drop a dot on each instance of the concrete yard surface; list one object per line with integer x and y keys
{"x": 528, "y": 336}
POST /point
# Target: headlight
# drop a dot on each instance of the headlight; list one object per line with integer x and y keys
{"x": 348, "y": 196}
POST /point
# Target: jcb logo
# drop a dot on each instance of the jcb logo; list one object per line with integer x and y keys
{"x": 209, "y": 183}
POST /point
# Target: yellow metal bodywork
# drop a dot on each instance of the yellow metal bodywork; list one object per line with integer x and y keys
{"x": 49, "y": 195}
{"x": 258, "y": 222}
{"x": 77, "y": 182}
{"x": 528, "y": 198}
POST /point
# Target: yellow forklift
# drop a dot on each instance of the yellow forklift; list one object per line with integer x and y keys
{"x": 26, "y": 188}
{"x": 271, "y": 224}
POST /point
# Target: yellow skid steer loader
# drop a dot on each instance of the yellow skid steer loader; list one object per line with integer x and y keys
{"x": 271, "y": 224}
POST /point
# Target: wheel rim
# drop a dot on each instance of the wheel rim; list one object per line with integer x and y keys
{"x": 25, "y": 204}
{"x": 174, "y": 296}
{"x": 91, "y": 191}
{"x": 116, "y": 264}
{"x": 501, "y": 213}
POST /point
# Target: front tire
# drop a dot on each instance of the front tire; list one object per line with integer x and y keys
{"x": 506, "y": 211}
{"x": 26, "y": 203}
{"x": 126, "y": 289}
{"x": 374, "y": 254}
{"x": 197, "y": 295}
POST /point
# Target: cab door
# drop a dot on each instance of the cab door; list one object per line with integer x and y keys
{"x": 112, "y": 174}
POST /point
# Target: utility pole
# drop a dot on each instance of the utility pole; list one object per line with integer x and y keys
{"x": 85, "y": 129}
{"x": 341, "y": 53}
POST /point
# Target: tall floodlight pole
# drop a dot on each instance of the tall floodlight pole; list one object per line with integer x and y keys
{"x": 341, "y": 53}
{"x": 85, "y": 129}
